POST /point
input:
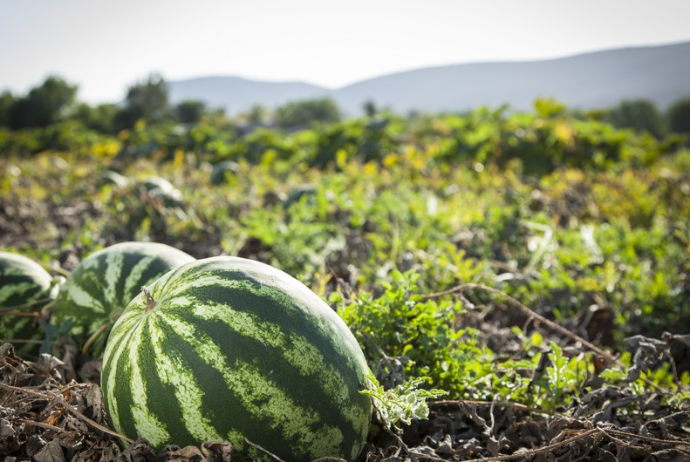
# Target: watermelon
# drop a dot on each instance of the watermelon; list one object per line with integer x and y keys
{"x": 153, "y": 183}
{"x": 24, "y": 284}
{"x": 161, "y": 190}
{"x": 226, "y": 348}
{"x": 102, "y": 285}
{"x": 113, "y": 178}
{"x": 222, "y": 171}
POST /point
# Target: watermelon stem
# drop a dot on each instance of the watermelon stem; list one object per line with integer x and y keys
{"x": 150, "y": 302}
{"x": 94, "y": 337}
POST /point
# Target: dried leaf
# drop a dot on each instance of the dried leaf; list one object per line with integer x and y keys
{"x": 51, "y": 452}
{"x": 139, "y": 451}
{"x": 496, "y": 445}
{"x": 91, "y": 370}
{"x": 606, "y": 456}
{"x": 49, "y": 366}
{"x": 34, "y": 445}
{"x": 6, "y": 429}
{"x": 94, "y": 402}
{"x": 671, "y": 455}
{"x": 217, "y": 451}
{"x": 185, "y": 454}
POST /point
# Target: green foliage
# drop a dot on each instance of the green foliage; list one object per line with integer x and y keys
{"x": 564, "y": 378}
{"x": 100, "y": 118}
{"x": 400, "y": 404}
{"x": 638, "y": 115}
{"x": 256, "y": 114}
{"x": 190, "y": 111}
{"x": 54, "y": 335}
{"x": 147, "y": 100}
{"x": 68, "y": 136}
{"x": 532, "y": 144}
{"x": 679, "y": 116}
{"x": 359, "y": 139}
{"x": 370, "y": 108}
{"x": 398, "y": 324}
{"x": 399, "y": 334}
{"x": 302, "y": 113}
{"x": 44, "y": 105}
{"x": 585, "y": 223}
{"x": 548, "y": 107}
{"x": 6, "y": 102}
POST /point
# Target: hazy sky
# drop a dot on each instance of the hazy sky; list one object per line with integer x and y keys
{"x": 104, "y": 46}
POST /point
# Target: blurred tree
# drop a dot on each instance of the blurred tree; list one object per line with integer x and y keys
{"x": 257, "y": 114}
{"x": 301, "y": 113}
{"x": 190, "y": 111}
{"x": 6, "y": 103}
{"x": 100, "y": 118}
{"x": 146, "y": 100}
{"x": 637, "y": 114}
{"x": 370, "y": 108}
{"x": 218, "y": 119}
{"x": 44, "y": 105}
{"x": 679, "y": 116}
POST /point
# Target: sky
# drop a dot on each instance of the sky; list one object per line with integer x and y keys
{"x": 105, "y": 46}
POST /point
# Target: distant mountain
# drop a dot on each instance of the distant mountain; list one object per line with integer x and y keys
{"x": 235, "y": 94}
{"x": 592, "y": 80}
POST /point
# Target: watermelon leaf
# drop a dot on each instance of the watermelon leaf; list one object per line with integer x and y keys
{"x": 403, "y": 403}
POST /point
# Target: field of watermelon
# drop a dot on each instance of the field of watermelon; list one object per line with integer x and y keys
{"x": 533, "y": 267}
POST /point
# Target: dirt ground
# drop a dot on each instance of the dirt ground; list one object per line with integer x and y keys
{"x": 46, "y": 415}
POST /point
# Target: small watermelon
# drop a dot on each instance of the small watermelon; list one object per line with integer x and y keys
{"x": 25, "y": 287}
{"x": 113, "y": 178}
{"x": 162, "y": 190}
{"x": 222, "y": 171}
{"x": 231, "y": 349}
{"x": 102, "y": 285}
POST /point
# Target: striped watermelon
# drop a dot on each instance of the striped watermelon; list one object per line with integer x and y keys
{"x": 99, "y": 289}
{"x": 162, "y": 190}
{"x": 231, "y": 349}
{"x": 24, "y": 287}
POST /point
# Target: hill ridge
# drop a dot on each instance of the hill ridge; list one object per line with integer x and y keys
{"x": 586, "y": 80}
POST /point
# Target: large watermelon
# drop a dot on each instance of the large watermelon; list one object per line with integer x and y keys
{"x": 102, "y": 285}
{"x": 226, "y": 349}
{"x": 25, "y": 287}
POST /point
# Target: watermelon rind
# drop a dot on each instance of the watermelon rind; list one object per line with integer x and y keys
{"x": 233, "y": 349}
{"x": 100, "y": 287}
{"x": 24, "y": 287}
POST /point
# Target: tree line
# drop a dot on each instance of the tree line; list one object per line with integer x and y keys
{"x": 55, "y": 100}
